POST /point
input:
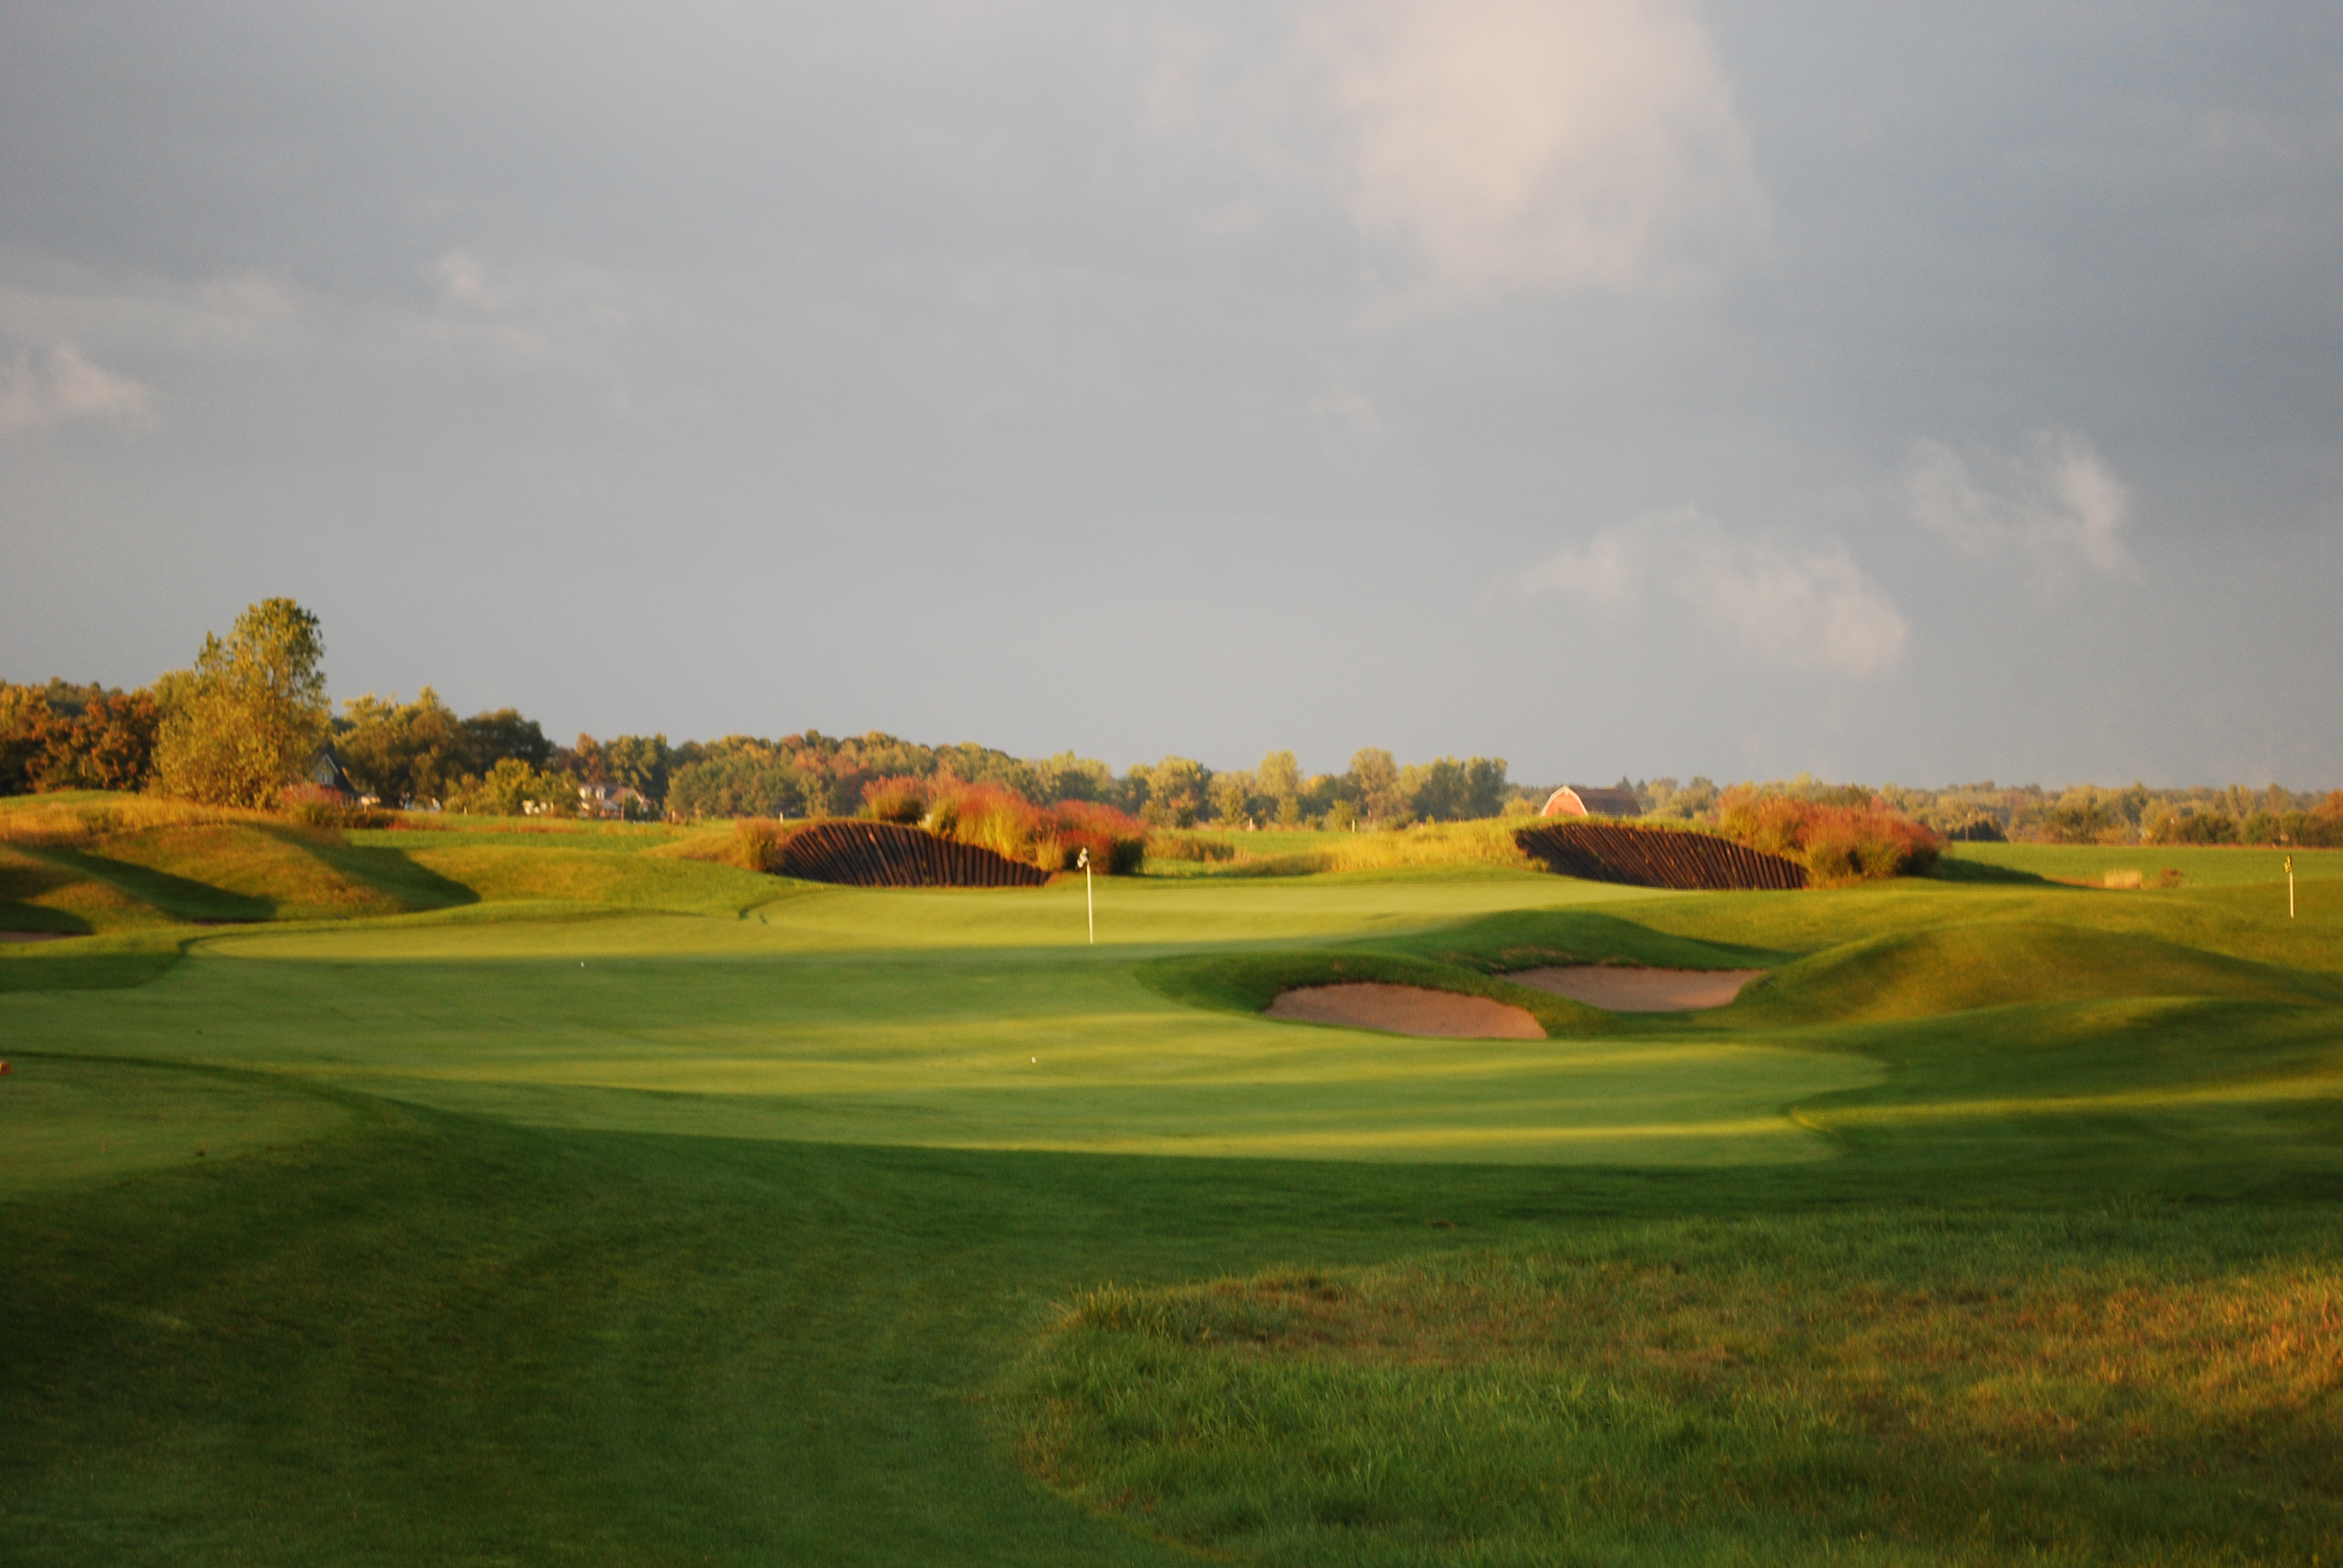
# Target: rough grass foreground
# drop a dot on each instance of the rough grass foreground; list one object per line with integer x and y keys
{"x": 2127, "y": 1385}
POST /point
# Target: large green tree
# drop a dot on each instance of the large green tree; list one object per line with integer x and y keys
{"x": 1374, "y": 784}
{"x": 1278, "y": 777}
{"x": 24, "y": 722}
{"x": 404, "y": 751}
{"x": 247, "y": 719}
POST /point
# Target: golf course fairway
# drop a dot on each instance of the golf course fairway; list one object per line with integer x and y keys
{"x": 563, "y": 1203}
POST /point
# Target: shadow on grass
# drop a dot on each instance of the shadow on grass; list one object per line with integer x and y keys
{"x": 23, "y": 879}
{"x": 183, "y": 897}
{"x": 93, "y": 963}
{"x": 1951, "y": 868}
{"x": 1529, "y": 939}
{"x": 388, "y": 872}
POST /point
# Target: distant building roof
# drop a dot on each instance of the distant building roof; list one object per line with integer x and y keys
{"x": 1585, "y": 800}
{"x": 327, "y": 772}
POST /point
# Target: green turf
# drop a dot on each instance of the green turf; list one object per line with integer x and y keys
{"x": 2198, "y": 866}
{"x": 605, "y": 1207}
{"x": 68, "y": 1123}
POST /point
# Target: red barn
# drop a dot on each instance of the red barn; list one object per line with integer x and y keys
{"x": 1584, "y": 801}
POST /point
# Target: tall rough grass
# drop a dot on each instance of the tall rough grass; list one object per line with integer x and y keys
{"x": 77, "y": 824}
{"x": 1049, "y": 837}
{"x": 1486, "y": 842}
{"x": 2123, "y": 1387}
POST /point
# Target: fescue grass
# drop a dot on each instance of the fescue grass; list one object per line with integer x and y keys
{"x": 2116, "y": 1385}
{"x": 1487, "y": 843}
{"x": 623, "y": 1208}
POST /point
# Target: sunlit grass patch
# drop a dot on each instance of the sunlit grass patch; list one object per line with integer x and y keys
{"x": 579, "y": 876}
{"x": 2113, "y": 1385}
{"x": 69, "y": 1123}
{"x": 2188, "y": 865}
{"x": 1487, "y": 844}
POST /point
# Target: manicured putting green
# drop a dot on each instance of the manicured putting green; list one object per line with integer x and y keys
{"x": 950, "y": 1019}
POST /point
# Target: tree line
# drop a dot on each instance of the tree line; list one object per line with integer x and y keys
{"x": 2028, "y": 813}
{"x": 249, "y": 720}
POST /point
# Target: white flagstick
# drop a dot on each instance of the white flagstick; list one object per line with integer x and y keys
{"x": 1091, "y": 899}
{"x": 2289, "y": 887}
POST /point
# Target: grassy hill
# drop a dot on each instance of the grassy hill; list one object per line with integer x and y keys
{"x": 539, "y": 1196}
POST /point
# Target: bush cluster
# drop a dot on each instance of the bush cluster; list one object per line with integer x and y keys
{"x": 1051, "y": 837}
{"x": 1835, "y": 842}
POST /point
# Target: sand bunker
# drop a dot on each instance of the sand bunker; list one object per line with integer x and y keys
{"x": 1406, "y": 1010}
{"x": 1617, "y": 989}
{"x": 32, "y": 936}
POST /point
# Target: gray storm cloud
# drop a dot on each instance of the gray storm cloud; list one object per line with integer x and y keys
{"x": 1182, "y": 379}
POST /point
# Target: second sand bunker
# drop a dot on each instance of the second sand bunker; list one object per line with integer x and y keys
{"x": 1617, "y": 989}
{"x": 1406, "y": 1010}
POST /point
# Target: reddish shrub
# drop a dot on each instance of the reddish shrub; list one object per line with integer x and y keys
{"x": 999, "y": 820}
{"x": 1835, "y": 843}
{"x": 1049, "y": 837}
{"x": 1117, "y": 843}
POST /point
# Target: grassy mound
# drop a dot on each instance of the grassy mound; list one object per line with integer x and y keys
{"x": 1955, "y": 968}
{"x": 92, "y": 863}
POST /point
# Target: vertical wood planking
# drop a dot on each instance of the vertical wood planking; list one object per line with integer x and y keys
{"x": 1657, "y": 857}
{"x": 858, "y": 854}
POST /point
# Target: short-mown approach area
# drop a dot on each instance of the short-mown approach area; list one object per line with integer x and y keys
{"x": 499, "y": 1190}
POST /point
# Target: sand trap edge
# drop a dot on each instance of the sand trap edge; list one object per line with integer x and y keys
{"x": 1615, "y": 987}
{"x": 1409, "y": 1010}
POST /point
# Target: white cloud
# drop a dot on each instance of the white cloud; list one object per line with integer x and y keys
{"x": 2058, "y": 506}
{"x": 551, "y": 313}
{"x": 1539, "y": 143}
{"x": 1810, "y": 609}
{"x": 41, "y": 391}
{"x": 464, "y": 281}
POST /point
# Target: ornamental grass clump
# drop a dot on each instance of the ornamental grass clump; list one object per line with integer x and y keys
{"x": 1039, "y": 835}
{"x": 896, "y": 799}
{"x": 986, "y": 815}
{"x": 1049, "y": 837}
{"x": 1117, "y": 842}
{"x": 1835, "y": 843}
{"x": 989, "y": 818}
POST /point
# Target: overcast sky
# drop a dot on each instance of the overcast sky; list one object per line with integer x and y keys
{"x": 1894, "y": 391}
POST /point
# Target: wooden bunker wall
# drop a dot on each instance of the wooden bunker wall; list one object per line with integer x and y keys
{"x": 859, "y": 854}
{"x": 1656, "y": 857}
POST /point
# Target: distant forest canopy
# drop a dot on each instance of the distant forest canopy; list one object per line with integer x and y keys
{"x": 2082, "y": 814}
{"x": 250, "y": 720}
{"x": 420, "y": 753}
